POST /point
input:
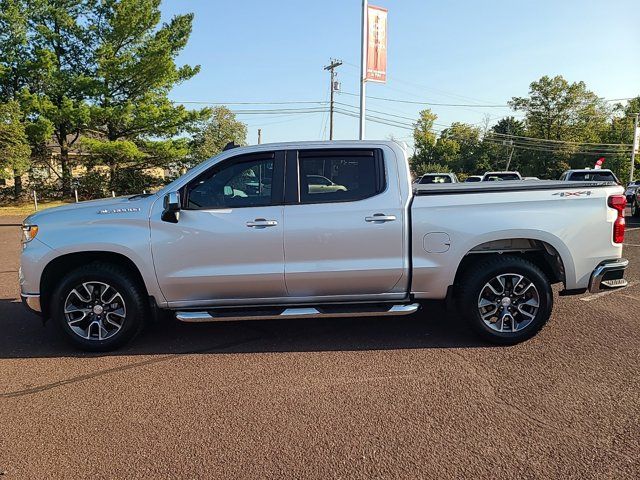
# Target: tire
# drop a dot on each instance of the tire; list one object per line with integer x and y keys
{"x": 635, "y": 211}
{"x": 525, "y": 301}
{"x": 99, "y": 307}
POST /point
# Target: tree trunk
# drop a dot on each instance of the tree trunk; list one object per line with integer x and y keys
{"x": 112, "y": 176}
{"x": 17, "y": 184}
{"x": 66, "y": 168}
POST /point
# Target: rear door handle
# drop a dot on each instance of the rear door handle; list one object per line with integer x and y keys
{"x": 262, "y": 223}
{"x": 380, "y": 217}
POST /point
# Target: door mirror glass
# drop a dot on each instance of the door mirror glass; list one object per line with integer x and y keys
{"x": 171, "y": 203}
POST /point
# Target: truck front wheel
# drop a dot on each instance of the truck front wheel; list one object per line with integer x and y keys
{"x": 99, "y": 306}
{"x": 505, "y": 299}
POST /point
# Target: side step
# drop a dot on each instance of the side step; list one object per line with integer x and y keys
{"x": 223, "y": 315}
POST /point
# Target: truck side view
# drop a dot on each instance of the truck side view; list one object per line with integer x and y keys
{"x": 295, "y": 230}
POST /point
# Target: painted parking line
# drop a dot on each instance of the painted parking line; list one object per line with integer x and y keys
{"x": 631, "y": 245}
{"x": 608, "y": 292}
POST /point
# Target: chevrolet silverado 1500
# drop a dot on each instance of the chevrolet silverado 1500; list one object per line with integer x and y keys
{"x": 249, "y": 234}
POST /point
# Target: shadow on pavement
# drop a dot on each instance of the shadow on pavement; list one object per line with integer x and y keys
{"x": 25, "y": 336}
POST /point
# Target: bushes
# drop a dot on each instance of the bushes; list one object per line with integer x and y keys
{"x": 98, "y": 184}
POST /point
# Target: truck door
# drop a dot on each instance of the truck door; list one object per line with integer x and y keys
{"x": 228, "y": 242}
{"x": 345, "y": 237}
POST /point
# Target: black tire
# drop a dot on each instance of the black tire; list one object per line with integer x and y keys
{"x": 635, "y": 211}
{"x": 475, "y": 283}
{"x": 131, "y": 319}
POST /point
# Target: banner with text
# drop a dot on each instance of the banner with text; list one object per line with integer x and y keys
{"x": 376, "y": 44}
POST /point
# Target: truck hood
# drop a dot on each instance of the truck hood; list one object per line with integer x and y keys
{"x": 90, "y": 209}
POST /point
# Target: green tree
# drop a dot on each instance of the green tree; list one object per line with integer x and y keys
{"x": 621, "y": 131}
{"x": 458, "y": 147}
{"x": 17, "y": 70}
{"x": 558, "y": 110}
{"x": 14, "y": 145}
{"x": 62, "y": 36}
{"x": 424, "y": 139}
{"x": 498, "y": 150}
{"x": 214, "y": 135}
{"x": 135, "y": 70}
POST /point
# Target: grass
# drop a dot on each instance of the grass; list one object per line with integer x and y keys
{"x": 24, "y": 209}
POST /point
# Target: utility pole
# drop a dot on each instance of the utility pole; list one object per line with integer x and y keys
{"x": 363, "y": 67}
{"x": 509, "y": 142}
{"x": 636, "y": 139}
{"x": 259, "y": 136}
{"x": 510, "y": 154}
{"x": 331, "y": 67}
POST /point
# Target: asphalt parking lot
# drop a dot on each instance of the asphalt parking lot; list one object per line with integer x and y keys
{"x": 414, "y": 397}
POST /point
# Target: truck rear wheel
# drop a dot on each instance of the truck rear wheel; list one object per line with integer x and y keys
{"x": 99, "y": 307}
{"x": 506, "y": 299}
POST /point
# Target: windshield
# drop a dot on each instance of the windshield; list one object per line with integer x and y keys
{"x": 435, "y": 179}
{"x": 501, "y": 176}
{"x": 592, "y": 176}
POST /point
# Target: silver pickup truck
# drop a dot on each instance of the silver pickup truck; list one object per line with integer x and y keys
{"x": 328, "y": 229}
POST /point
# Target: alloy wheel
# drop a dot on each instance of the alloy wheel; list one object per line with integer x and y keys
{"x": 508, "y": 302}
{"x": 95, "y": 311}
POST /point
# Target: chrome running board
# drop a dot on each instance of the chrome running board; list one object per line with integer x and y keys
{"x": 222, "y": 315}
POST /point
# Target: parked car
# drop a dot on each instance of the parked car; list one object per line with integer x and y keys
{"x": 589, "y": 175}
{"x": 473, "y": 178}
{"x": 101, "y": 269}
{"x": 318, "y": 183}
{"x": 631, "y": 191}
{"x": 437, "y": 178}
{"x": 498, "y": 176}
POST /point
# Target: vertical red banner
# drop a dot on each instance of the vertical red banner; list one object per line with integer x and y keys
{"x": 376, "y": 44}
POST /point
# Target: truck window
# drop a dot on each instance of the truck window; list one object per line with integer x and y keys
{"x": 493, "y": 177}
{"x": 238, "y": 184}
{"x": 435, "y": 179}
{"x": 592, "y": 176}
{"x": 337, "y": 177}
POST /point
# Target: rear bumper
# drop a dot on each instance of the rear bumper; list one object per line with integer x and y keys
{"x": 609, "y": 274}
{"x": 32, "y": 302}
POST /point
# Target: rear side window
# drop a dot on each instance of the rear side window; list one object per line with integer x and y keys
{"x": 335, "y": 176}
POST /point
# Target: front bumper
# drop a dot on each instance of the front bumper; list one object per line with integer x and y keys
{"x": 609, "y": 274}
{"x": 32, "y": 302}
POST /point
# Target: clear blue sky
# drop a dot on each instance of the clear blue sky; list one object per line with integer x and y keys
{"x": 476, "y": 52}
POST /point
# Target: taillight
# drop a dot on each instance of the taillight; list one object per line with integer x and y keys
{"x": 618, "y": 202}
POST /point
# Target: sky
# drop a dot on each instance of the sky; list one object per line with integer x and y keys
{"x": 446, "y": 51}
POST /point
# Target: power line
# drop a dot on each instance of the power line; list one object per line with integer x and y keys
{"x": 557, "y": 150}
{"x": 414, "y": 102}
{"x": 279, "y": 111}
{"x": 288, "y": 102}
{"x": 559, "y": 141}
{"x": 438, "y": 104}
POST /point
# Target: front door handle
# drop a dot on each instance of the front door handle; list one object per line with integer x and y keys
{"x": 380, "y": 217}
{"x": 262, "y": 223}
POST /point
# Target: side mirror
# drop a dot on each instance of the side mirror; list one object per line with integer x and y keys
{"x": 171, "y": 203}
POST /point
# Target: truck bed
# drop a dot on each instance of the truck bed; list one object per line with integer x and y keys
{"x": 568, "y": 219}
